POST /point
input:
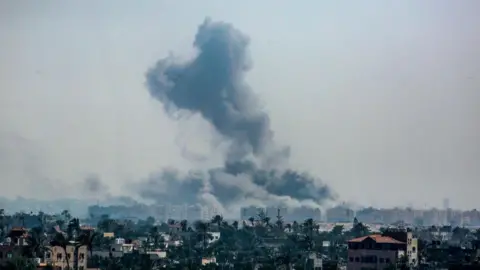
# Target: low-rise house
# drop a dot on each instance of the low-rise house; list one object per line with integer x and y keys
{"x": 374, "y": 252}
{"x": 61, "y": 259}
{"x": 9, "y": 252}
{"x": 209, "y": 260}
{"x": 407, "y": 237}
{"x": 116, "y": 250}
{"x": 157, "y": 254}
{"x": 215, "y": 236}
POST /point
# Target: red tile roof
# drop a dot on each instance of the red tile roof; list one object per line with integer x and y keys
{"x": 19, "y": 229}
{"x": 377, "y": 238}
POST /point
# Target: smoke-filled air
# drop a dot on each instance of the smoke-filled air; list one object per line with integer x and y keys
{"x": 213, "y": 85}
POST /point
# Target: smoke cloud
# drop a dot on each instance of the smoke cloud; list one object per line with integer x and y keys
{"x": 213, "y": 85}
{"x": 94, "y": 186}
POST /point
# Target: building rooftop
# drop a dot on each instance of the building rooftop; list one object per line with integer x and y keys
{"x": 377, "y": 238}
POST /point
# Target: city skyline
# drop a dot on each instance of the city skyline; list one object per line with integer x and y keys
{"x": 377, "y": 100}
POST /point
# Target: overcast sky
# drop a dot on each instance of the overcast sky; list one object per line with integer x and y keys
{"x": 380, "y": 99}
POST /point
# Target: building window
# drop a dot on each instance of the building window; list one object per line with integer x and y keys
{"x": 59, "y": 256}
{"x": 382, "y": 260}
{"x": 387, "y": 260}
{"x": 69, "y": 255}
{"x": 9, "y": 255}
{"x": 351, "y": 259}
{"x": 414, "y": 249}
{"x": 357, "y": 259}
{"x": 82, "y": 256}
{"x": 1, "y": 255}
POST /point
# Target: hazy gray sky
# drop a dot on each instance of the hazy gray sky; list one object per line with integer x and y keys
{"x": 380, "y": 99}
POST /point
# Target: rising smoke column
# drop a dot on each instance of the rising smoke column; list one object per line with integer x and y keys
{"x": 212, "y": 84}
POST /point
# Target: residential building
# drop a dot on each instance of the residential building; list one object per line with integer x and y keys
{"x": 8, "y": 252}
{"x": 215, "y": 236}
{"x": 60, "y": 258}
{"x": 340, "y": 213}
{"x": 16, "y": 239}
{"x": 118, "y": 249}
{"x": 374, "y": 252}
{"x": 17, "y": 236}
{"x": 407, "y": 237}
{"x": 314, "y": 261}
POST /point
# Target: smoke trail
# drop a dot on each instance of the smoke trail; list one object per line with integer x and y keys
{"x": 212, "y": 84}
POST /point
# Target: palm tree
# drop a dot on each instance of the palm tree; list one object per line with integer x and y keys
{"x": 36, "y": 243}
{"x": 2, "y": 225}
{"x": 202, "y": 232}
{"x": 73, "y": 228}
{"x": 235, "y": 225}
{"x": 308, "y": 227}
{"x": 252, "y": 220}
{"x": 359, "y": 230}
{"x": 217, "y": 219}
{"x": 295, "y": 226}
{"x": 262, "y": 217}
{"x": 279, "y": 221}
{"x": 184, "y": 225}
{"x": 66, "y": 215}
{"x": 88, "y": 238}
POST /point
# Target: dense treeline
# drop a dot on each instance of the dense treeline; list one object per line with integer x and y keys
{"x": 257, "y": 242}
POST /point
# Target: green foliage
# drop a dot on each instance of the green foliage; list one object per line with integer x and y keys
{"x": 261, "y": 242}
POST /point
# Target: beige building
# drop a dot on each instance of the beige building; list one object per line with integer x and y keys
{"x": 411, "y": 243}
{"x": 374, "y": 252}
{"x": 58, "y": 259}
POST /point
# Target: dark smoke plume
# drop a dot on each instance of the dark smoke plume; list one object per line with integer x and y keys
{"x": 92, "y": 184}
{"x": 212, "y": 84}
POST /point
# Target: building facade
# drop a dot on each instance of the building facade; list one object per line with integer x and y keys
{"x": 61, "y": 259}
{"x": 374, "y": 252}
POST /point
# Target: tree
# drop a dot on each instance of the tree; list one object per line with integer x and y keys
{"x": 3, "y": 232}
{"x": 184, "y": 225}
{"x": 66, "y": 215}
{"x": 61, "y": 240}
{"x": 87, "y": 238}
{"x": 279, "y": 221}
{"x": 217, "y": 219}
{"x": 309, "y": 227}
{"x": 235, "y": 225}
{"x": 202, "y": 233}
{"x": 37, "y": 243}
{"x": 459, "y": 234}
{"x": 359, "y": 229}
{"x": 20, "y": 263}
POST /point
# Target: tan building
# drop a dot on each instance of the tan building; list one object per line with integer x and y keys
{"x": 407, "y": 237}
{"x": 57, "y": 258}
{"x": 374, "y": 252}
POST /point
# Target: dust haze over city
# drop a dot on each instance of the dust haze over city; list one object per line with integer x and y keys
{"x": 240, "y": 103}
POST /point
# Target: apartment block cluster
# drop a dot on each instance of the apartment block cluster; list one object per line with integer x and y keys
{"x": 344, "y": 214}
{"x": 337, "y": 214}
{"x": 159, "y": 212}
{"x": 418, "y": 217}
